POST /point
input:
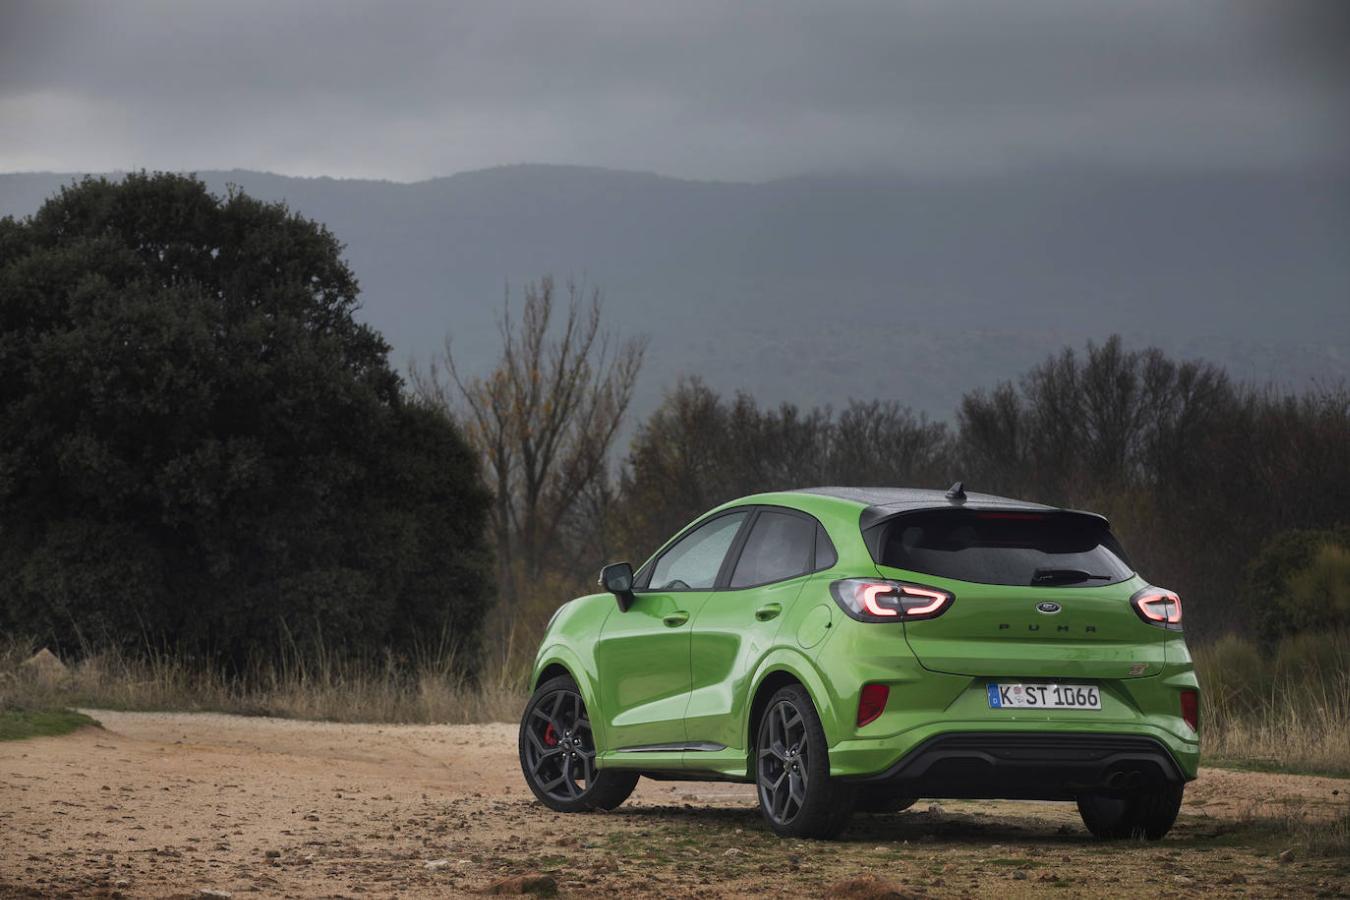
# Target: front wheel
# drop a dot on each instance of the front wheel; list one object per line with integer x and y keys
{"x": 1146, "y": 813}
{"x": 797, "y": 796}
{"x": 557, "y": 753}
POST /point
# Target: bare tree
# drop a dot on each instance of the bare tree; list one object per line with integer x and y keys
{"x": 544, "y": 419}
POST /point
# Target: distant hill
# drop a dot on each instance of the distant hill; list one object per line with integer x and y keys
{"x": 818, "y": 289}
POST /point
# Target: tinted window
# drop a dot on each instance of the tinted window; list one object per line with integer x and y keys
{"x": 825, "y": 555}
{"x": 780, "y": 546}
{"x": 693, "y": 563}
{"x": 1054, "y": 550}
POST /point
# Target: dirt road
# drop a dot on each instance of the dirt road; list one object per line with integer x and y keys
{"x": 164, "y": 804}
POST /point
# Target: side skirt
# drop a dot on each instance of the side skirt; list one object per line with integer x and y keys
{"x": 694, "y": 746}
{"x": 693, "y": 761}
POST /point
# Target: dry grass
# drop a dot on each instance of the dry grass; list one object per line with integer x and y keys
{"x": 321, "y": 687}
{"x": 1287, "y": 710}
{"x": 1294, "y": 824}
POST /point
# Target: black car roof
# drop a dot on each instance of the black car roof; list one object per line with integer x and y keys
{"x": 882, "y": 503}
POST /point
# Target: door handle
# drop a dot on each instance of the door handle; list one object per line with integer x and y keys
{"x": 676, "y": 619}
{"x": 768, "y": 611}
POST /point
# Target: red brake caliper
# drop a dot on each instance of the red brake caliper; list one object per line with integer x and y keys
{"x": 550, "y": 736}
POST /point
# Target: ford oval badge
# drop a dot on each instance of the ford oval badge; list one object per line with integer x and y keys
{"x": 1049, "y": 607}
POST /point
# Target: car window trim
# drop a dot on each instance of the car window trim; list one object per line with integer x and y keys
{"x": 642, "y": 583}
{"x": 738, "y": 545}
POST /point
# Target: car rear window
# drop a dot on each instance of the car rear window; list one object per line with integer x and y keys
{"x": 1041, "y": 549}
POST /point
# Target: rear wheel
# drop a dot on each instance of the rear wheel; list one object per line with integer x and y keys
{"x": 1147, "y": 813}
{"x": 797, "y": 796}
{"x": 557, "y": 753}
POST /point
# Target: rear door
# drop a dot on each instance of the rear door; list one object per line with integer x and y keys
{"x": 737, "y": 625}
{"x": 1037, "y": 595}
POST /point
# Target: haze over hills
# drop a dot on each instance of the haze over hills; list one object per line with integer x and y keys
{"x": 818, "y": 289}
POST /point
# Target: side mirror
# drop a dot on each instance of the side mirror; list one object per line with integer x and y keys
{"x": 617, "y": 578}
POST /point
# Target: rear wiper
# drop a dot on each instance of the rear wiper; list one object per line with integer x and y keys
{"x": 1067, "y": 576}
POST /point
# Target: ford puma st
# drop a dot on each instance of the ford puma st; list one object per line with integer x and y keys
{"x": 855, "y": 648}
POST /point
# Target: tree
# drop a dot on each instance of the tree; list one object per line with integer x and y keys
{"x": 199, "y": 443}
{"x": 1195, "y": 472}
{"x": 1116, "y": 418}
{"x": 543, "y": 421}
{"x": 698, "y": 450}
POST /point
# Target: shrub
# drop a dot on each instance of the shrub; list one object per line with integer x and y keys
{"x": 1318, "y": 596}
{"x": 1271, "y": 597}
{"x": 201, "y": 446}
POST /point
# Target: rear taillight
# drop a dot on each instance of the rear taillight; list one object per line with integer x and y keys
{"x": 874, "y": 600}
{"x": 1190, "y": 709}
{"x": 872, "y": 702}
{"x": 1158, "y": 606}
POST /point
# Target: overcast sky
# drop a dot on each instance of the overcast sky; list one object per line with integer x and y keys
{"x": 724, "y": 90}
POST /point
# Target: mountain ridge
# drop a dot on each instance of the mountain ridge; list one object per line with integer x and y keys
{"x": 820, "y": 288}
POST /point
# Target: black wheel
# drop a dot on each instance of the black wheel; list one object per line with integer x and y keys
{"x": 1147, "y": 813}
{"x": 557, "y": 753}
{"x": 880, "y": 799}
{"x": 797, "y": 796}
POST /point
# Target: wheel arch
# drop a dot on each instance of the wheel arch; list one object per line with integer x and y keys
{"x": 550, "y": 671}
{"x": 558, "y": 660}
{"x": 784, "y": 667}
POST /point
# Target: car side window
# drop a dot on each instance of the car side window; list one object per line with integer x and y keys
{"x": 825, "y": 552}
{"x": 693, "y": 563}
{"x": 780, "y": 546}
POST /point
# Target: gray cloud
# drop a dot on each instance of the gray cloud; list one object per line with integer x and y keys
{"x": 701, "y": 89}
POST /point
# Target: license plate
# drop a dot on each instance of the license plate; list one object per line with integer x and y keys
{"x": 1044, "y": 696}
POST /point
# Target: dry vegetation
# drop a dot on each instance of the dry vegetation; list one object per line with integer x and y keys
{"x": 1286, "y": 709}
{"x": 320, "y": 687}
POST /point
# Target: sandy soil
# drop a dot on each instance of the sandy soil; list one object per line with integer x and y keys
{"x": 187, "y": 804}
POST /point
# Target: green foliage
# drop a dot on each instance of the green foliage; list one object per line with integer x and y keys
{"x": 1291, "y": 587}
{"x": 18, "y": 724}
{"x": 1319, "y": 595}
{"x": 199, "y": 444}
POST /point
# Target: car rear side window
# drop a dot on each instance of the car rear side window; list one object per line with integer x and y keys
{"x": 1040, "y": 549}
{"x": 780, "y": 545}
{"x": 825, "y": 553}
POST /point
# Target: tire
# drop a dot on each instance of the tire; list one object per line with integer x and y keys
{"x": 797, "y": 796}
{"x": 880, "y": 799}
{"x": 1147, "y": 813}
{"x": 557, "y": 753}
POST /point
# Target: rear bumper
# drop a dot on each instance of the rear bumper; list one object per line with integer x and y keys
{"x": 1029, "y": 765}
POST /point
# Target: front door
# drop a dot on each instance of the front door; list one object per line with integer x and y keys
{"x": 642, "y": 656}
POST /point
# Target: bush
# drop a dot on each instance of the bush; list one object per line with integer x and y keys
{"x": 1288, "y": 584}
{"x": 1318, "y": 596}
{"x": 200, "y": 446}
{"x": 1235, "y": 674}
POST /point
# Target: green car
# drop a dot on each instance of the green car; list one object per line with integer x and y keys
{"x": 855, "y": 648}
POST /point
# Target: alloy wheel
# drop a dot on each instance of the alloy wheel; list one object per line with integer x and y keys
{"x": 559, "y": 748}
{"x": 782, "y": 765}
